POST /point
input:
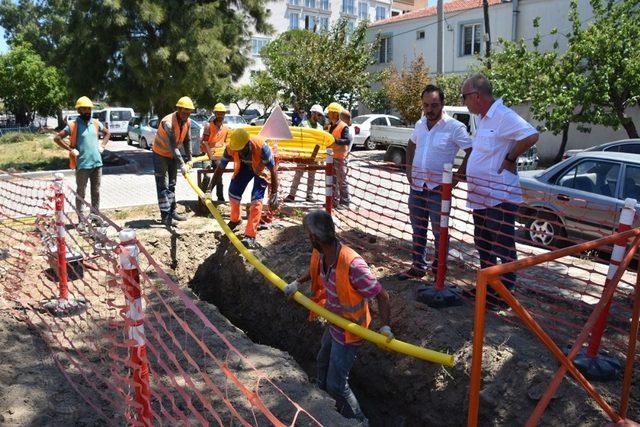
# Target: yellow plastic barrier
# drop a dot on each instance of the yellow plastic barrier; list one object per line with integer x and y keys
{"x": 369, "y": 335}
{"x": 300, "y": 146}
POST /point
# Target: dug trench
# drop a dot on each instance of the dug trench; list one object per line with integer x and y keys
{"x": 393, "y": 389}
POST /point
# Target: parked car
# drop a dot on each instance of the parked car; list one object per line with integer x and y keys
{"x": 134, "y": 130}
{"x": 234, "y": 121}
{"x": 262, "y": 119}
{"x": 116, "y": 119}
{"x": 148, "y": 134}
{"x": 71, "y": 116}
{"x": 578, "y": 198}
{"x": 361, "y": 128}
{"x": 622, "y": 146}
{"x": 250, "y": 115}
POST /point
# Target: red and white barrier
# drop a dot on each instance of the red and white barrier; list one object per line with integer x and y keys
{"x": 329, "y": 181}
{"x": 592, "y": 364}
{"x": 134, "y": 321}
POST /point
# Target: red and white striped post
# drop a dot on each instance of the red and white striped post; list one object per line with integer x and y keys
{"x": 134, "y": 322}
{"x": 441, "y": 294}
{"x": 593, "y": 365}
{"x": 329, "y": 181}
{"x": 64, "y": 304}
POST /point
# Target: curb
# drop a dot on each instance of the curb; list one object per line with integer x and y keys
{"x": 131, "y": 166}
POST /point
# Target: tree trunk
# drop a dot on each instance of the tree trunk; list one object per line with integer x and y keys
{"x": 563, "y": 144}
{"x": 61, "y": 123}
{"x": 630, "y": 127}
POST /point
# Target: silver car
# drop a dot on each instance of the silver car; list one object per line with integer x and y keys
{"x": 631, "y": 146}
{"x": 579, "y": 198}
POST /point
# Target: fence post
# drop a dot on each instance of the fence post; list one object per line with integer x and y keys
{"x": 64, "y": 304}
{"x": 134, "y": 323}
{"x": 595, "y": 366}
{"x": 439, "y": 294}
{"x": 329, "y": 181}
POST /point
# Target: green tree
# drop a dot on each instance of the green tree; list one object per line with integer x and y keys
{"x": 143, "y": 53}
{"x": 404, "y": 86}
{"x": 265, "y": 90}
{"x": 27, "y": 85}
{"x": 319, "y": 68}
{"x": 450, "y": 85}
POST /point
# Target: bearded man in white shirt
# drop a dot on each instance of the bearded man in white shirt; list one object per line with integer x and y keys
{"x": 435, "y": 141}
{"x": 492, "y": 176}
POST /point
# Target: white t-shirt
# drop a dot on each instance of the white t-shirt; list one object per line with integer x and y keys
{"x": 436, "y": 147}
{"x": 496, "y": 133}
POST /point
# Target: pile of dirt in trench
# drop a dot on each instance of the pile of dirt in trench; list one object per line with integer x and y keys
{"x": 393, "y": 389}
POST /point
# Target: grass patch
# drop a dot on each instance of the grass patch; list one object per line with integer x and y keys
{"x": 24, "y": 152}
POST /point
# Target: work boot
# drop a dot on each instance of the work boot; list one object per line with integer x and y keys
{"x": 177, "y": 217}
{"x": 290, "y": 198}
{"x": 412, "y": 273}
{"x": 249, "y": 242}
{"x": 234, "y": 224}
{"x": 167, "y": 221}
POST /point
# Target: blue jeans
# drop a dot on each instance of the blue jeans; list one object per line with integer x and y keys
{"x": 334, "y": 363}
{"x": 240, "y": 182}
{"x": 424, "y": 206}
{"x": 166, "y": 174}
{"x": 494, "y": 233}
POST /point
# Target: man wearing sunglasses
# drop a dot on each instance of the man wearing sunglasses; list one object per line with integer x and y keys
{"x": 435, "y": 141}
{"x": 492, "y": 176}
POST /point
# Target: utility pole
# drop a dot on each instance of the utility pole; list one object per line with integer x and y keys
{"x": 487, "y": 31}
{"x": 440, "y": 42}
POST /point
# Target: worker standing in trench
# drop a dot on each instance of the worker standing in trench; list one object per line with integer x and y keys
{"x": 341, "y": 281}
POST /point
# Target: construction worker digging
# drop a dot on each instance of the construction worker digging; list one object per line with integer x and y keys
{"x": 250, "y": 156}
{"x": 214, "y": 136}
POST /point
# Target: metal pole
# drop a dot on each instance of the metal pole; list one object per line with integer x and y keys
{"x": 440, "y": 42}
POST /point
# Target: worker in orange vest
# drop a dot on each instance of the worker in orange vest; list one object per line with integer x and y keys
{"x": 340, "y": 147}
{"x": 214, "y": 136}
{"x": 341, "y": 281}
{"x": 250, "y": 157}
{"x": 85, "y": 149}
{"x": 173, "y": 133}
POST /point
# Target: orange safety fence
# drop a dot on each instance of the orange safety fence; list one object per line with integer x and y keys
{"x": 129, "y": 320}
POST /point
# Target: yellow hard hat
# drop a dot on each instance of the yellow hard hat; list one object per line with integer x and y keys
{"x": 238, "y": 139}
{"x": 185, "y": 102}
{"x": 334, "y": 107}
{"x": 84, "y": 101}
{"x": 219, "y": 107}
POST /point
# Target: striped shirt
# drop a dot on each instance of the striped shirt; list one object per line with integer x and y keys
{"x": 362, "y": 280}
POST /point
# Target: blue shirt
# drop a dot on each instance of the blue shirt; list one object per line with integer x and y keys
{"x": 267, "y": 157}
{"x": 87, "y": 144}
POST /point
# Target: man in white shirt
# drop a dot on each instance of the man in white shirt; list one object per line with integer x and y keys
{"x": 435, "y": 141}
{"x": 492, "y": 177}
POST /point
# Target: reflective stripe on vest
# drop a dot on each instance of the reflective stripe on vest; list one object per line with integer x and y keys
{"x": 339, "y": 151}
{"x": 353, "y": 306}
{"x": 161, "y": 144}
{"x": 73, "y": 139}
{"x": 257, "y": 164}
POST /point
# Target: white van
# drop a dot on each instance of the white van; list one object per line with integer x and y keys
{"x": 116, "y": 119}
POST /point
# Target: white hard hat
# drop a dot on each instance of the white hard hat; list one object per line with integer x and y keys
{"x": 317, "y": 109}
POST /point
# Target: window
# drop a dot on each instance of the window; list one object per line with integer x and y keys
{"x": 630, "y": 148}
{"x": 381, "y": 13}
{"x": 363, "y": 10}
{"x": 395, "y": 122}
{"x": 257, "y": 44}
{"x": 419, "y": 35}
{"x": 324, "y": 4}
{"x": 100, "y": 115}
{"x": 153, "y": 123}
{"x": 324, "y": 23}
{"x": 310, "y": 23}
{"x": 380, "y": 121}
{"x": 310, "y": 4}
{"x": 348, "y": 7}
{"x": 463, "y": 118}
{"x": 294, "y": 2}
{"x": 384, "y": 50}
{"x": 120, "y": 116}
{"x": 471, "y": 36}
{"x": 631, "y": 184}
{"x": 293, "y": 21}
{"x": 593, "y": 177}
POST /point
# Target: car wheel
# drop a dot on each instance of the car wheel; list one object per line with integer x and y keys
{"x": 369, "y": 144}
{"x": 129, "y": 141}
{"x": 143, "y": 143}
{"x": 545, "y": 230}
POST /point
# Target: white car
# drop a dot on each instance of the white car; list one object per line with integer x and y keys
{"x": 360, "y": 128}
{"x": 234, "y": 121}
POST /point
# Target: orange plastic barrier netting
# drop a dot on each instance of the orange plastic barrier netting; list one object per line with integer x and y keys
{"x": 197, "y": 375}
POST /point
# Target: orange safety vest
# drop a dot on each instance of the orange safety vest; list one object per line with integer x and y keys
{"x": 217, "y": 137}
{"x": 257, "y": 164}
{"x": 73, "y": 138}
{"x": 161, "y": 144}
{"x": 354, "y": 306}
{"x": 339, "y": 151}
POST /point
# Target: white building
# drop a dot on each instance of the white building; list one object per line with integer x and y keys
{"x": 414, "y": 33}
{"x": 313, "y": 15}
